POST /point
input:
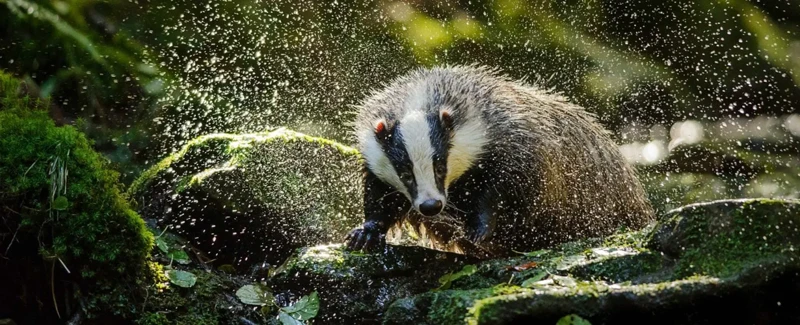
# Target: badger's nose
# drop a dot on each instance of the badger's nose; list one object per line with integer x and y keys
{"x": 430, "y": 207}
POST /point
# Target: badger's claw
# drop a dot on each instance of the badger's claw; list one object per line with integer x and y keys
{"x": 478, "y": 233}
{"x": 364, "y": 239}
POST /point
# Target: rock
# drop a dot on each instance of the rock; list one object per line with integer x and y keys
{"x": 721, "y": 261}
{"x": 720, "y": 238}
{"x": 249, "y": 200}
{"x": 356, "y": 287}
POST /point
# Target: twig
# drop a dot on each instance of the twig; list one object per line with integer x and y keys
{"x": 147, "y": 295}
{"x": 53, "y": 288}
{"x": 12, "y": 240}
{"x": 76, "y": 319}
{"x": 29, "y": 168}
{"x": 64, "y": 265}
{"x": 9, "y": 209}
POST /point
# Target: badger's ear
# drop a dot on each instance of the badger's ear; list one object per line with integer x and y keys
{"x": 382, "y": 130}
{"x": 446, "y": 116}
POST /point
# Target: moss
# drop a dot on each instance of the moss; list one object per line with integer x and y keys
{"x": 720, "y": 240}
{"x": 204, "y": 303}
{"x": 92, "y": 231}
{"x": 621, "y": 268}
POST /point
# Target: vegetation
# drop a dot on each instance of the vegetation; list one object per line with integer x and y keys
{"x": 59, "y": 198}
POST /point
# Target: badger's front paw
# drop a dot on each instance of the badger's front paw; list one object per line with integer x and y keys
{"x": 364, "y": 239}
{"x": 478, "y": 234}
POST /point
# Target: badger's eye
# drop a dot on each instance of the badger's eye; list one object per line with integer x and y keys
{"x": 440, "y": 168}
{"x": 405, "y": 177}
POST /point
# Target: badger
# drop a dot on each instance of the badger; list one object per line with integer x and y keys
{"x": 477, "y": 163}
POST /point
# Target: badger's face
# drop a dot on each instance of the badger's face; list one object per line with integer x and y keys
{"x": 422, "y": 153}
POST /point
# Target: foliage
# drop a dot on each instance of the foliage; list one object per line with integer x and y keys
{"x": 447, "y": 279}
{"x": 65, "y": 202}
{"x": 76, "y": 54}
{"x": 573, "y": 319}
{"x": 181, "y": 278}
{"x": 303, "y": 309}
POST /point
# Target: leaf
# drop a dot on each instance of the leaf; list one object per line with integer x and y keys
{"x": 162, "y": 245}
{"x": 305, "y": 308}
{"x": 564, "y": 281}
{"x": 286, "y": 319}
{"x": 538, "y": 253}
{"x": 181, "y": 278}
{"x": 538, "y": 276}
{"x": 60, "y": 203}
{"x": 447, "y": 279}
{"x": 179, "y": 255}
{"x": 572, "y": 319}
{"x": 255, "y": 295}
{"x": 522, "y": 267}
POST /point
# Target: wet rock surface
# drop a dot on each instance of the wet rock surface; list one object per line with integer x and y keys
{"x": 249, "y": 200}
{"x": 271, "y": 209}
{"x": 730, "y": 260}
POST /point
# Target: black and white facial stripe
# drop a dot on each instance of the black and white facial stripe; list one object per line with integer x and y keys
{"x": 423, "y": 147}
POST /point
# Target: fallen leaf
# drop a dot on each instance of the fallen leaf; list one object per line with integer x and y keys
{"x": 538, "y": 276}
{"x": 447, "y": 279}
{"x": 522, "y": 267}
{"x": 305, "y": 308}
{"x": 255, "y": 295}
{"x": 286, "y": 319}
{"x": 572, "y": 319}
{"x": 181, "y": 278}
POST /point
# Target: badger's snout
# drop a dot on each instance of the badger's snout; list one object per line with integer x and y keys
{"x": 430, "y": 207}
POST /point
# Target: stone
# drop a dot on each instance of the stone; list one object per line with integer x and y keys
{"x": 249, "y": 200}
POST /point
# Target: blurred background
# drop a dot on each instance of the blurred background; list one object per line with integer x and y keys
{"x": 701, "y": 95}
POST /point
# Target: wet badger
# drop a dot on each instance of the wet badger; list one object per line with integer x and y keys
{"x": 480, "y": 164}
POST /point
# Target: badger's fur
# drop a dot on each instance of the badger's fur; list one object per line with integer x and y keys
{"x": 515, "y": 168}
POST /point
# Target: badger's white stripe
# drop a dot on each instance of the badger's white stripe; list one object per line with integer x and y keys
{"x": 416, "y": 137}
{"x": 467, "y": 144}
{"x": 378, "y": 162}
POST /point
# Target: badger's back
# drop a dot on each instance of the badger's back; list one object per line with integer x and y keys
{"x": 583, "y": 185}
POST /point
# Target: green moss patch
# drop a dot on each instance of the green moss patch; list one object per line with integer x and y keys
{"x": 722, "y": 237}
{"x": 70, "y": 237}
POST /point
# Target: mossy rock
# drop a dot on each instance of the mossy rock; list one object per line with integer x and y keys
{"x": 357, "y": 288}
{"x": 720, "y": 238}
{"x": 731, "y": 260}
{"x": 69, "y": 237}
{"x": 251, "y": 199}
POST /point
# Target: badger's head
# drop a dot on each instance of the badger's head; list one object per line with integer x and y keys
{"x": 423, "y": 147}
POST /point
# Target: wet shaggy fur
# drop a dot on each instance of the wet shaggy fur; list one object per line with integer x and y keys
{"x": 542, "y": 170}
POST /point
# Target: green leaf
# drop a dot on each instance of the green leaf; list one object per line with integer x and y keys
{"x": 162, "y": 245}
{"x": 255, "y": 295}
{"x": 538, "y": 253}
{"x": 179, "y": 255}
{"x": 60, "y": 203}
{"x": 572, "y": 319}
{"x": 538, "y": 276}
{"x": 447, "y": 279}
{"x": 286, "y": 319}
{"x": 305, "y": 308}
{"x": 181, "y": 278}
